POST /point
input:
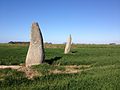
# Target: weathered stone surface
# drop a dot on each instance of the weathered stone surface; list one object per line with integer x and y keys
{"x": 68, "y": 45}
{"x": 35, "y": 53}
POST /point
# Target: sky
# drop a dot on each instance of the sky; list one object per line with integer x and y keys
{"x": 88, "y": 21}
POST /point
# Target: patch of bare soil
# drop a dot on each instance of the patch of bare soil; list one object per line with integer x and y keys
{"x": 30, "y": 73}
{"x": 69, "y": 69}
{"x": 11, "y": 66}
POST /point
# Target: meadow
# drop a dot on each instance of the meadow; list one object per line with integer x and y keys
{"x": 99, "y": 68}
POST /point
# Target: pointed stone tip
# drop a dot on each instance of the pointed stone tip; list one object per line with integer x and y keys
{"x": 70, "y": 36}
{"x": 35, "y": 25}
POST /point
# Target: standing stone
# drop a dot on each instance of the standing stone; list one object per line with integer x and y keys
{"x": 35, "y": 53}
{"x": 68, "y": 45}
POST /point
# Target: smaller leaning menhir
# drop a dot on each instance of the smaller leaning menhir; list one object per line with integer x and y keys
{"x": 68, "y": 45}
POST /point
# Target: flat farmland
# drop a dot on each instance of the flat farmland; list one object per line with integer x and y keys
{"x": 86, "y": 67}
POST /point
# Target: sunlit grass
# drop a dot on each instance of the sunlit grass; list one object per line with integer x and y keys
{"x": 104, "y": 73}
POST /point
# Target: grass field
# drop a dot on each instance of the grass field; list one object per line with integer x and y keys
{"x": 103, "y": 72}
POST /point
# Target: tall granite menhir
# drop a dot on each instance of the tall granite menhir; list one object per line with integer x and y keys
{"x": 68, "y": 45}
{"x": 35, "y": 53}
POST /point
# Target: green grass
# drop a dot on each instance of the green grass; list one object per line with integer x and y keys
{"x": 12, "y": 54}
{"x": 104, "y": 73}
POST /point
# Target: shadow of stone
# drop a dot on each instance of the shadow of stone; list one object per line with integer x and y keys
{"x": 74, "y": 51}
{"x": 50, "y": 61}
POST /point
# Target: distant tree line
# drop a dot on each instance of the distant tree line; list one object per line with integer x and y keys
{"x": 15, "y": 42}
{"x": 47, "y": 43}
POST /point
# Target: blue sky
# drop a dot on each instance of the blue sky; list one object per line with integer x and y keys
{"x": 88, "y": 21}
